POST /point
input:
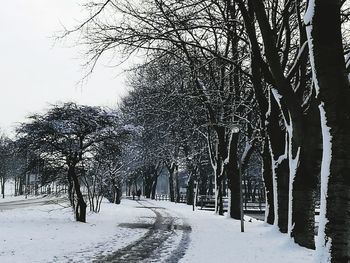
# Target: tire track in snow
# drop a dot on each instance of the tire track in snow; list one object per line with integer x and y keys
{"x": 157, "y": 244}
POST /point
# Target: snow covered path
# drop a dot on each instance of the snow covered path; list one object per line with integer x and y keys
{"x": 140, "y": 231}
{"x": 218, "y": 239}
{"x": 38, "y": 231}
{"x": 166, "y": 240}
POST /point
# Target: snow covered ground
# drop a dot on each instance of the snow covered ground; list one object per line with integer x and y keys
{"x": 18, "y": 198}
{"x": 49, "y": 234}
{"x": 218, "y": 239}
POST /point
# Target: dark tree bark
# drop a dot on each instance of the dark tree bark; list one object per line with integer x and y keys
{"x": 3, "y": 187}
{"x": 257, "y": 64}
{"x": 219, "y": 170}
{"x": 171, "y": 187}
{"x": 20, "y": 186}
{"x": 129, "y": 189}
{"x": 70, "y": 190}
{"x": 80, "y": 208}
{"x": 118, "y": 195}
{"x": 148, "y": 187}
{"x": 232, "y": 171}
{"x": 279, "y": 155}
{"x": 333, "y": 88}
{"x": 154, "y": 187}
{"x": 16, "y": 186}
{"x": 151, "y": 178}
{"x": 177, "y": 185}
{"x": 291, "y": 109}
{"x": 148, "y": 184}
{"x": 267, "y": 176}
{"x": 171, "y": 171}
{"x": 190, "y": 187}
{"x": 117, "y": 192}
{"x": 305, "y": 186}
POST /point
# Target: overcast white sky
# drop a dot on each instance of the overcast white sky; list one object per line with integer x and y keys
{"x": 35, "y": 73}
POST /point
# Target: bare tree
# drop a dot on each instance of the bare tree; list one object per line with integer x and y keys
{"x": 331, "y": 83}
{"x": 68, "y": 132}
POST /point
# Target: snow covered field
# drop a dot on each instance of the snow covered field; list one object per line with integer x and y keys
{"x": 49, "y": 234}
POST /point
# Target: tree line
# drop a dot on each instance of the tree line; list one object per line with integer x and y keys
{"x": 226, "y": 88}
{"x": 277, "y": 71}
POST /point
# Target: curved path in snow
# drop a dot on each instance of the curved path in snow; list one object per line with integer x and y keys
{"x": 165, "y": 241}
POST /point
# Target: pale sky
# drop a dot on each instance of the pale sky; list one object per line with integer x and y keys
{"x": 35, "y": 73}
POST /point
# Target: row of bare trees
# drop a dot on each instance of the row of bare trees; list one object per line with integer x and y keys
{"x": 273, "y": 69}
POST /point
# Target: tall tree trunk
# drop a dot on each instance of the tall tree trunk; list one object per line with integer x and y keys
{"x": 232, "y": 171}
{"x": 70, "y": 190}
{"x": 129, "y": 189}
{"x": 291, "y": 108}
{"x": 333, "y": 91}
{"x": 16, "y": 186}
{"x": 117, "y": 191}
{"x": 154, "y": 187}
{"x": 80, "y": 209}
{"x": 267, "y": 176}
{"x": 280, "y": 167}
{"x": 190, "y": 187}
{"x": 3, "y": 187}
{"x": 148, "y": 182}
{"x": 256, "y": 65}
{"x": 177, "y": 184}
{"x": 20, "y": 186}
{"x": 218, "y": 157}
{"x": 118, "y": 194}
{"x": 151, "y": 178}
{"x": 171, "y": 170}
{"x": 304, "y": 196}
{"x": 219, "y": 206}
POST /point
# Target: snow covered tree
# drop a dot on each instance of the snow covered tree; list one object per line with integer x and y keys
{"x": 331, "y": 82}
{"x": 283, "y": 66}
{"x": 245, "y": 62}
{"x": 104, "y": 172}
{"x": 210, "y": 53}
{"x": 68, "y": 132}
{"x": 170, "y": 114}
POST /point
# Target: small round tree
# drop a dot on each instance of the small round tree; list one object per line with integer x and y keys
{"x": 69, "y": 132}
